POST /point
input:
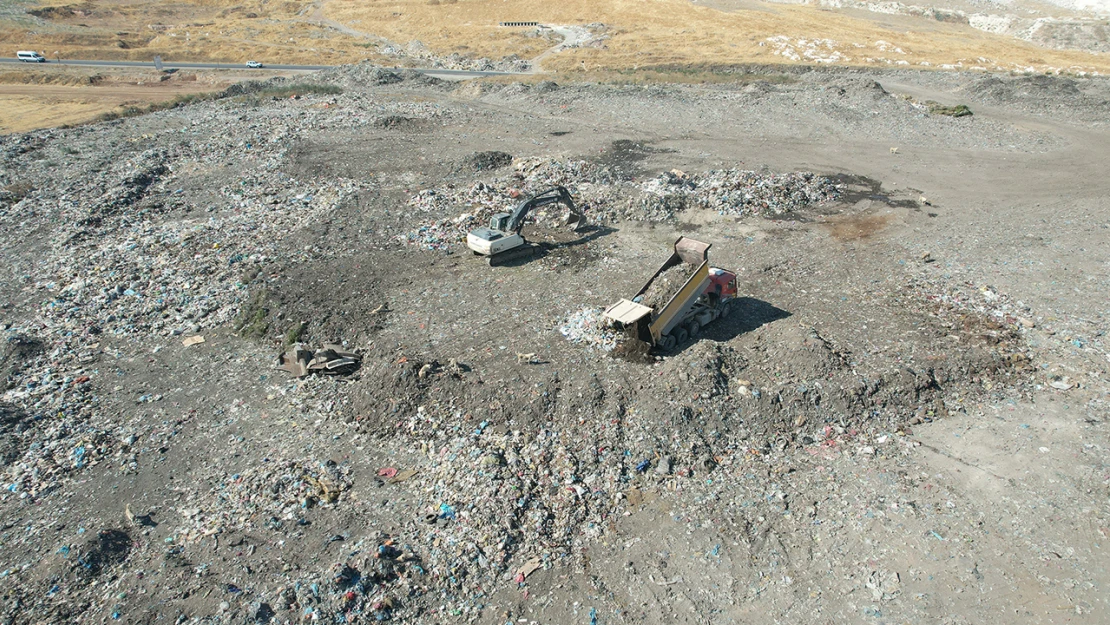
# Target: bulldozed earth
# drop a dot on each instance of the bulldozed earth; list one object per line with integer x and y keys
{"x": 903, "y": 420}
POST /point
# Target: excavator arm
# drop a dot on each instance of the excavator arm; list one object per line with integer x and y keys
{"x": 552, "y": 195}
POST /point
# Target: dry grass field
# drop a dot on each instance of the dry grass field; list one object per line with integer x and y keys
{"x": 57, "y": 95}
{"x": 624, "y": 33}
{"x": 621, "y": 40}
{"x": 646, "y": 33}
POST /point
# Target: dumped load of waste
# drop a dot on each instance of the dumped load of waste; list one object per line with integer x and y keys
{"x": 588, "y": 327}
{"x": 664, "y": 286}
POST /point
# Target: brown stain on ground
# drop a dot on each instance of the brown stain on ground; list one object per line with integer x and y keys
{"x": 857, "y": 227}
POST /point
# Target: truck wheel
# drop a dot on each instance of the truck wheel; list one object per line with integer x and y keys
{"x": 667, "y": 343}
{"x": 693, "y": 329}
{"x": 680, "y": 336}
{"x": 724, "y": 309}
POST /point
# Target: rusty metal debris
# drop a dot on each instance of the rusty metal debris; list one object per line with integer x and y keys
{"x": 329, "y": 360}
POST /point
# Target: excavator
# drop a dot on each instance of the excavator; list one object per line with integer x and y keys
{"x": 502, "y": 242}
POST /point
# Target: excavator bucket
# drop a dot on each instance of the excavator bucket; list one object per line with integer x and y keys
{"x": 575, "y": 221}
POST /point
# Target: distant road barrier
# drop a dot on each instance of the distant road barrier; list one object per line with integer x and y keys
{"x": 459, "y": 73}
{"x": 520, "y": 24}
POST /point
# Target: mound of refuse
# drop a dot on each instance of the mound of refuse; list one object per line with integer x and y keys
{"x": 607, "y": 197}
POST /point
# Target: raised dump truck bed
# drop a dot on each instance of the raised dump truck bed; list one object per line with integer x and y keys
{"x": 665, "y": 316}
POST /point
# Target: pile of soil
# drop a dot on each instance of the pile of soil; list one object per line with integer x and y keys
{"x": 665, "y": 285}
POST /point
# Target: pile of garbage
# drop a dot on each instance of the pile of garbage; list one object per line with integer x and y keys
{"x": 568, "y": 173}
{"x": 137, "y": 254}
{"x": 481, "y": 201}
{"x": 373, "y": 582}
{"x": 497, "y": 500}
{"x": 588, "y": 327}
{"x": 743, "y": 192}
{"x": 416, "y": 53}
{"x": 605, "y": 197}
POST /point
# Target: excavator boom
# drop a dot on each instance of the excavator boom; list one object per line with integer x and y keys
{"x": 551, "y": 195}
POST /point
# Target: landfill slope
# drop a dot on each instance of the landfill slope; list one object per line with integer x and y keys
{"x": 913, "y": 373}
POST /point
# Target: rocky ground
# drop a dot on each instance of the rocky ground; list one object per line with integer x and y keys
{"x": 903, "y": 421}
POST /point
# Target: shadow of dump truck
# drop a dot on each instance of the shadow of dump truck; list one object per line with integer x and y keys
{"x": 747, "y": 314}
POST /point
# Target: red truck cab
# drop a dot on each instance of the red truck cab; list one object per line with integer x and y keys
{"x": 722, "y": 283}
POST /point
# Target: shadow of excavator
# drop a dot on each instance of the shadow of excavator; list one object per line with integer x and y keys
{"x": 587, "y": 234}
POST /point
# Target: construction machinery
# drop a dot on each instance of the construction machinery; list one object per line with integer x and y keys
{"x": 707, "y": 294}
{"x": 502, "y": 241}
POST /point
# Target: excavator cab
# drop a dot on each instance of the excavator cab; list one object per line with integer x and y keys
{"x": 500, "y": 222}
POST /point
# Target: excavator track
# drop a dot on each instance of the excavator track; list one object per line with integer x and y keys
{"x": 504, "y": 258}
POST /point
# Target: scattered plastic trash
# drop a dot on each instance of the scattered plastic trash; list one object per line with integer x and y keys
{"x": 79, "y": 457}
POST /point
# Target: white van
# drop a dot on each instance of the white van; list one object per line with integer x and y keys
{"x": 28, "y": 56}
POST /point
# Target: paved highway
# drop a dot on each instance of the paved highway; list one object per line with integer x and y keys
{"x": 446, "y": 73}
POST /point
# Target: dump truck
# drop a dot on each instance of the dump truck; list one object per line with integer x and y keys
{"x": 667, "y": 318}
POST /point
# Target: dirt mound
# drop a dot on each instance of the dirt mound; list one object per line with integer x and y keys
{"x": 1043, "y": 89}
{"x": 39, "y": 78}
{"x": 15, "y": 354}
{"x": 850, "y": 88}
{"x": 103, "y": 552}
{"x": 1082, "y": 98}
{"x": 545, "y": 86}
{"x": 633, "y": 350}
{"x": 414, "y": 77}
{"x": 87, "y": 9}
{"x": 399, "y": 122}
{"x": 365, "y": 74}
{"x": 481, "y": 161}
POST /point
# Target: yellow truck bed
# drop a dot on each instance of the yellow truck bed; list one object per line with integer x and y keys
{"x": 629, "y": 313}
